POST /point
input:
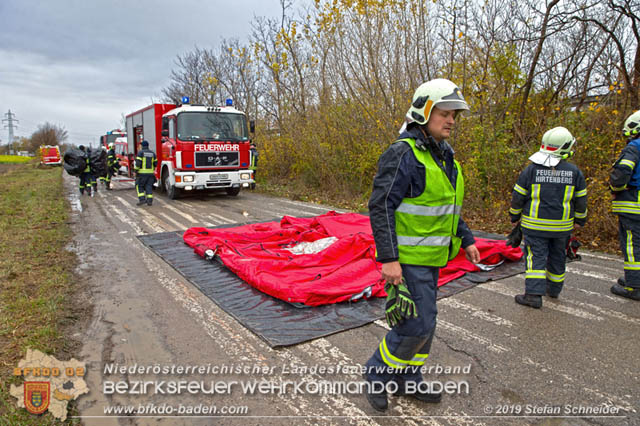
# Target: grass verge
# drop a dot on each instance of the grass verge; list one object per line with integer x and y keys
{"x": 36, "y": 278}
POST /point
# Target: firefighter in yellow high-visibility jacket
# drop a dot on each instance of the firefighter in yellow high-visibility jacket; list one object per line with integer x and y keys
{"x": 145, "y": 167}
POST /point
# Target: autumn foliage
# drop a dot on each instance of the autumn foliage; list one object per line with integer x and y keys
{"x": 329, "y": 86}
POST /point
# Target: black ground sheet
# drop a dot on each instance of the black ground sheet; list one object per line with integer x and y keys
{"x": 277, "y": 322}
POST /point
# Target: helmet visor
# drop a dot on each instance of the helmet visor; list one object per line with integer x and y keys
{"x": 452, "y": 104}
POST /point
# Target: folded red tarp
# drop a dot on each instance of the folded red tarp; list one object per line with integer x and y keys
{"x": 258, "y": 254}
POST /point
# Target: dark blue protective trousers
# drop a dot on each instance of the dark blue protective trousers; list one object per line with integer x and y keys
{"x": 406, "y": 347}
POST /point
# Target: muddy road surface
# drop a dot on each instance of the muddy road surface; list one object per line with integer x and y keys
{"x": 573, "y": 362}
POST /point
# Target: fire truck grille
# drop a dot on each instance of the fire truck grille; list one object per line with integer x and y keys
{"x": 217, "y": 159}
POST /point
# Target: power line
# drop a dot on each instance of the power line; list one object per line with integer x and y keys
{"x": 10, "y": 120}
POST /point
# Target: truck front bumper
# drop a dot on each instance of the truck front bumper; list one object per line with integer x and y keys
{"x": 214, "y": 179}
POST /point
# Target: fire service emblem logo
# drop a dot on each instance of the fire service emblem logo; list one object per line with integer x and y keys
{"x": 36, "y": 396}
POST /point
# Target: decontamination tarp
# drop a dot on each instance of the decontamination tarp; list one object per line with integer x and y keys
{"x": 277, "y": 322}
{"x": 261, "y": 255}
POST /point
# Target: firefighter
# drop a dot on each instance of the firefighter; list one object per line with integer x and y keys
{"x": 112, "y": 165}
{"x": 415, "y": 217}
{"x": 549, "y": 199}
{"x": 254, "y": 162}
{"x": 145, "y": 167}
{"x": 85, "y": 176}
{"x": 624, "y": 181}
{"x": 103, "y": 178}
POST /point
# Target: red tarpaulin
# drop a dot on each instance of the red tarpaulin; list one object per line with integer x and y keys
{"x": 258, "y": 254}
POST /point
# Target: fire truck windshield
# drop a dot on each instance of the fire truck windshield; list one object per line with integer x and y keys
{"x": 212, "y": 126}
{"x": 112, "y": 137}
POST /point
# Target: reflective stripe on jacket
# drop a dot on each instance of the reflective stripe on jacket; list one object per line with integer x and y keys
{"x": 146, "y": 161}
{"x": 624, "y": 179}
{"x": 549, "y": 200}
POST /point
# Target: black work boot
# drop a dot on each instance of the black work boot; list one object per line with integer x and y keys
{"x": 421, "y": 394}
{"x": 377, "y": 399}
{"x": 553, "y": 292}
{"x": 628, "y": 292}
{"x": 149, "y": 202}
{"x": 532, "y": 300}
{"x": 141, "y": 203}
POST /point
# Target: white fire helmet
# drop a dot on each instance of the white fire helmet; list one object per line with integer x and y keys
{"x": 631, "y": 126}
{"x": 439, "y": 92}
{"x": 556, "y": 146}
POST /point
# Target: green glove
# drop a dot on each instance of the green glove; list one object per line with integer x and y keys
{"x": 404, "y": 302}
{"x": 392, "y": 313}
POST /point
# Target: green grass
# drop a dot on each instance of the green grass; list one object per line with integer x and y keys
{"x": 14, "y": 159}
{"x": 35, "y": 278}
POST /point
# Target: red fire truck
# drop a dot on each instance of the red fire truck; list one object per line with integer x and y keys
{"x": 50, "y": 155}
{"x": 198, "y": 147}
{"x": 119, "y": 139}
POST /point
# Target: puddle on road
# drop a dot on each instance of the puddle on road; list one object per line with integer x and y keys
{"x": 74, "y": 200}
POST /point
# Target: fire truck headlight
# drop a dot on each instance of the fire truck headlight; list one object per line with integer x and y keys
{"x": 187, "y": 178}
{"x": 245, "y": 176}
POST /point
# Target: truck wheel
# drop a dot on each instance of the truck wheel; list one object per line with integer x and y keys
{"x": 233, "y": 191}
{"x": 172, "y": 191}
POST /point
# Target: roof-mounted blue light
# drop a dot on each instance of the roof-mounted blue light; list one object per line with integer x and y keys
{"x": 229, "y": 102}
{"x": 185, "y": 99}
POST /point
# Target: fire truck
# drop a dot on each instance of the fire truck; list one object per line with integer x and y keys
{"x": 50, "y": 155}
{"x": 119, "y": 140}
{"x": 198, "y": 147}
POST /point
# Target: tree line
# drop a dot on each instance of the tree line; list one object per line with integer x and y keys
{"x": 329, "y": 83}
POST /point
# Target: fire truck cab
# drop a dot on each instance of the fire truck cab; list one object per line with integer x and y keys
{"x": 198, "y": 147}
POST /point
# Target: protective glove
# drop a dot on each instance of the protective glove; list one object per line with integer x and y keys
{"x": 515, "y": 236}
{"x": 392, "y": 313}
{"x": 405, "y": 302}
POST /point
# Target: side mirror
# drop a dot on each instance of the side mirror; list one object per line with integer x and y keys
{"x": 165, "y": 132}
{"x": 252, "y": 126}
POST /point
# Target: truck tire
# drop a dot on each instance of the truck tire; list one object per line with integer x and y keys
{"x": 172, "y": 191}
{"x": 233, "y": 191}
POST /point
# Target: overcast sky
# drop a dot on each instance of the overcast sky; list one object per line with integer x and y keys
{"x": 82, "y": 63}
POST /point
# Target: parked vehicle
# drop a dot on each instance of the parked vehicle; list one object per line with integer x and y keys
{"x": 50, "y": 155}
{"x": 198, "y": 147}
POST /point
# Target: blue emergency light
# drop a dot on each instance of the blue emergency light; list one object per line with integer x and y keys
{"x": 185, "y": 99}
{"x": 229, "y": 102}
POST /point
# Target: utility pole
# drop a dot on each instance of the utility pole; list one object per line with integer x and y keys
{"x": 10, "y": 120}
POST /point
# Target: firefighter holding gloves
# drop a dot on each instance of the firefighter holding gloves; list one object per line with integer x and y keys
{"x": 548, "y": 200}
{"x": 624, "y": 181}
{"x": 415, "y": 210}
{"x": 145, "y": 166}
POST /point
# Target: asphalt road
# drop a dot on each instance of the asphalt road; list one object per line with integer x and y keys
{"x": 574, "y": 362}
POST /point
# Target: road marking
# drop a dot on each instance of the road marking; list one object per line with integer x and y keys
{"x": 465, "y": 334}
{"x": 610, "y": 259}
{"x": 596, "y": 275}
{"x": 469, "y": 336}
{"x": 506, "y": 291}
{"x": 599, "y": 295}
{"x": 125, "y": 219}
{"x": 475, "y": 311}
{"x": 223, "y": 219}
{"x": 180, "y": 212}
{"x": 324, "y": 209}
{"x": 147, "y": 220}
{"x": 607, "y": 312}
{"x": 180, "y": 226}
